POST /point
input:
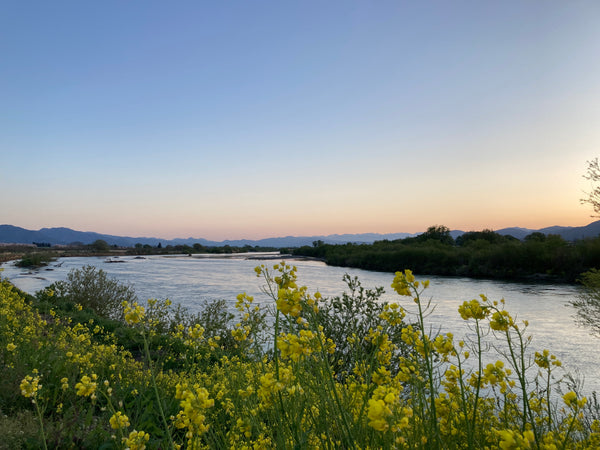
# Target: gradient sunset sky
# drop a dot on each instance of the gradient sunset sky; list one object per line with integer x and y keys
{"x": 254, "y": 119}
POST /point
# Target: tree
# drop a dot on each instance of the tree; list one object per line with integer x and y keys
{"x": 593, "y": 197}
{"x": 536, "y": 236}
{"x": 437, "y": 233}
{"x": 100, "y": 246}
{"x": 587, "y": 303}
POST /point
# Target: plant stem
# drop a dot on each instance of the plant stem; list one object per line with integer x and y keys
{"x": 39, "y": 414}
{"x": 158, "y": 399}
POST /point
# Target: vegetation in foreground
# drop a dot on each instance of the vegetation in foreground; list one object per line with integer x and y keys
{"x": 287, "y": 377}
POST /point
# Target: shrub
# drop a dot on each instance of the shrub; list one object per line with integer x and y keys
{"x": 35, "y": 260}
{"x": 347, "y": 321}
{"x": 91, "y": 288}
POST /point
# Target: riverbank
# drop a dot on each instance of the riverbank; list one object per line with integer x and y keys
{"x": 542, "y": 259}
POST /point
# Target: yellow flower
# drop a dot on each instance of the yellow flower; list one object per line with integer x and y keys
{"x": 494, "y": 373}
{"x": 30, "y": 385}
{"x": 197, "y": 332}
{"x": 86, "y": 386}
{"x": 136, "y": 440}
{"x": 473, "y": 310}
{"x": 11, "y": 347}
{"x": 289, "y": 301}
{"x": 501, "y": 321}
{"x": 194, "y": 401}
{"x": 118, "y": 421}
{"x": 570, "y": 399}
{"x": 401, "y": 283}
{"x": 377, "y": 413}
{"x": 510, "y": 439}
{"x": 134, "y": 313}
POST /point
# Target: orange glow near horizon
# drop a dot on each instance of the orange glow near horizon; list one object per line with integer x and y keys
{"x": 313, "y": 126}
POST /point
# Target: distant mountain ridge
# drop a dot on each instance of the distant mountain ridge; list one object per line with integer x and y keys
{"x": 11, "y": 234}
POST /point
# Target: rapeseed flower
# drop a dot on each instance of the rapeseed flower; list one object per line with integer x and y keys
{"x": 87, "y": 386}
{"x": 119, "y": 421}
{"x": 136, "y": 440}
{"x": 473, "y": 310}
{"x": 134, "y": 314}
{"x": 30, "y": 386}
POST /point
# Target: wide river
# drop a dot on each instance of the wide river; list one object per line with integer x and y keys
{"x": 193, "y": 280}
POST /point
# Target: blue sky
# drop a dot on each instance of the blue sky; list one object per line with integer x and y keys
{"x": 253, "y": 119}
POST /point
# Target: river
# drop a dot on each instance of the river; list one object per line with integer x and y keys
{"x": 192, "y": 280}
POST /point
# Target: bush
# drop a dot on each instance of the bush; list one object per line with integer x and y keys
{"x": 347, "y": 321}
{"x": 35, "y": 260}
{"x": 91, "y": 288}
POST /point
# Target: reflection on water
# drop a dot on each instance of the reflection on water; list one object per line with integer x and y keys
{"x": 191, "y": 281}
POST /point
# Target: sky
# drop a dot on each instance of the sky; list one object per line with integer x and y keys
{"x": 255, "y": 119}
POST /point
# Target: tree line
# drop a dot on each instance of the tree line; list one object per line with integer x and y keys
{"x": 476, "y": 254}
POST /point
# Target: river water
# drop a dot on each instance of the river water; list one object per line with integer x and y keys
{"x": 192, "y": 280}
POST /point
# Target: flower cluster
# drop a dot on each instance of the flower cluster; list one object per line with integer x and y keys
{"x": 136, "y": 440}
{"x": 87, "y": 386}
{"x": 194, "y": 402}
{"x": 134, "y": 313}
{"x": 30, "y": 385}
{"x": 119, "y": 421}
{"x": 474, "y": 309}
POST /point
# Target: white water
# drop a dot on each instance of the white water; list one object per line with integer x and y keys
{"x": 193, "y": 280}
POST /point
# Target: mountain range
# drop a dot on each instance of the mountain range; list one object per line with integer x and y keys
{"x": 11, "y": 234}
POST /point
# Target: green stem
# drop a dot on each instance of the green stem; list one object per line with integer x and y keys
{"x": 429, "y": 366}
{"x": 330, "y": 379}
{"x": 463, "y": 397}
{"x": 39, "y": 414}
{"x": 548, "y": 399}
{"x": 158, "y": 399}
{"x": 479, "y": 370}
{"x": 519, "y": 365}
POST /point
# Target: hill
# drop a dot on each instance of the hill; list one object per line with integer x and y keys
{"x": 11, "y": 234}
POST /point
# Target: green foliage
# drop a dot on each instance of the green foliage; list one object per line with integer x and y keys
{"x": 488, "y": 236}
{"x": 348, "y": 319}
{"x": 439, "y": 233}
{"x": 481, "y": 254}
{"x": 35, "y": 260}
{"x": 91, "y": 288}
{"x": 18, "y": 430}
{"x": 100, "y": 246}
